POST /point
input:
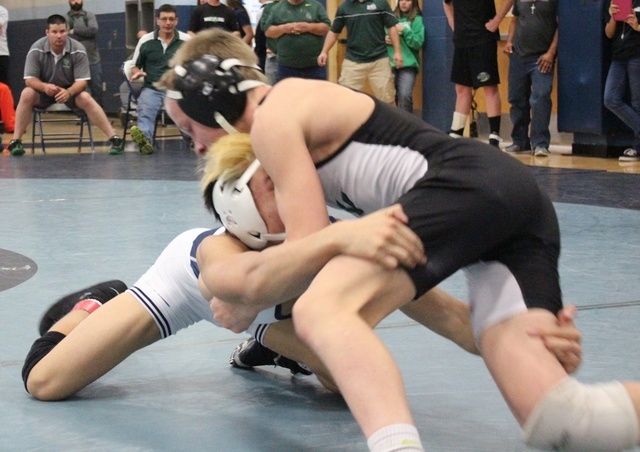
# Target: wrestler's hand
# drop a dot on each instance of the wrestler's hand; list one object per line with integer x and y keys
{"x": 234, "y": 317}
{"x": 563, "y": 340}
{"x": 383, "y": 237}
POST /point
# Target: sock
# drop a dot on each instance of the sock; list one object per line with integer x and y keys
{"x": 395, "y": 438}
{"x": 494, "y": 124}
{"x": 88, "y": 305}
{"x": 458, "y": 123}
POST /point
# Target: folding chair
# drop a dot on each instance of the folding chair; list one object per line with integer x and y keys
{"x": 76, "y": 116}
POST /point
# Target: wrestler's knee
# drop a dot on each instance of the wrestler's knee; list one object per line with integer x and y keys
{"x": 579, "y": 417}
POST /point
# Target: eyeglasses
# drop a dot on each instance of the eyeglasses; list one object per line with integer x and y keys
{"x": 167, "y": 19}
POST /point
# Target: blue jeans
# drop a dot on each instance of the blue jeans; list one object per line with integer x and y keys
{"x": 95, "y": 84}
{"x": 312, "y": 72}
{"x": 149, "y": 105}
{"x": 623, "y": 75}
{"x": 405, "y": 80}
{"x": 271, "y": 68}
{"x": 530, "y": 99}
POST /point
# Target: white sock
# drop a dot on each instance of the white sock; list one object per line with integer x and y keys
{"x": 459, "y": 121}
{"x": 395, "y": 438}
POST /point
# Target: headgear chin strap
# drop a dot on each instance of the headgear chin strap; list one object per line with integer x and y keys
{"x": 212, "y": 91}
{"x": 238, "y": 212}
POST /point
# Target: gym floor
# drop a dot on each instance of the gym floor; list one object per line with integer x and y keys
{"x": 69, "y": 220}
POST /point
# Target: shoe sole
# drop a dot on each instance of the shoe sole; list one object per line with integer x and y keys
{"x": 140, "y": 139}
{"x": 629, "y": 159}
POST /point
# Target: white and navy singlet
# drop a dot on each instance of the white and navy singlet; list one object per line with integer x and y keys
{"x": 169, "y": 289}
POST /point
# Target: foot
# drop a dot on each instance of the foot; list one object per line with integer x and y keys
{"x": 101, "y": 292}
{"x": 541, "y": 151}
{"x": 494, "y": 140}
{"x": 117, "y": 145}
{"x": 15, "y": 147}
{"x": 139, "y": 138}
{"x": 630, "y": 155}
{"x": 515, "y": 149}
{"x": 251, "y": 353}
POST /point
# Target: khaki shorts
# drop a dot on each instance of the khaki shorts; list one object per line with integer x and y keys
{"x": 378, "y": 73}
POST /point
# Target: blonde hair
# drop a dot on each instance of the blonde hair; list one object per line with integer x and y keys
{"x": 216, "y": 42}
{"x": 228, "y": 158}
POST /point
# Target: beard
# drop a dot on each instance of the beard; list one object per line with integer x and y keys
{"x": 76, "y": 6}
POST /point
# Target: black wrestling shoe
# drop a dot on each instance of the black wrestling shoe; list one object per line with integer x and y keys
{"x": 101, "y": 292}
{"x": 251, "y": 353}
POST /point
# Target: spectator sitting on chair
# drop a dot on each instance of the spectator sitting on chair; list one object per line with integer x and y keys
{"x": 7, "y": 112}
{"x": 56, "y": 70}
{"x": 151, "y": 57}
{"x": 124, "y": 88}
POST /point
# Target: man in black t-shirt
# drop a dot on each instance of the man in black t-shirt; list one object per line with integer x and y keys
{"x": 213, "y": 14}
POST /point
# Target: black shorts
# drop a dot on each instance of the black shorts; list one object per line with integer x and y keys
{"x": 480, "y": 205}
{"x": 47, "y": 101}
{"x": 476, "y": 66}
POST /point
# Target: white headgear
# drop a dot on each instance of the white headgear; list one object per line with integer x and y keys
{"x": 238, "y": 212}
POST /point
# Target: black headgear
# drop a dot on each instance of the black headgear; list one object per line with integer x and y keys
{"x": 211, "y": 90}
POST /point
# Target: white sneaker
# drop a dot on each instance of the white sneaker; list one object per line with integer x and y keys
{"x": 630, "y": 155}
{"x": 494, "y": 140}
{"x": 541, "y": 151}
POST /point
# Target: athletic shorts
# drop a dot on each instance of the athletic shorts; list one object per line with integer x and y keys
{"x": 489, "y": 217}
{"x": 47, "y": 101}
{"x": 378, "y": 73}
{"x": 476, "y": 66}
{"x": 169, "y": 289}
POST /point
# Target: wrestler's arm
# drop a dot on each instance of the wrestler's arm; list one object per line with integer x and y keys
{"x": 231, "y": 272}
{"x": 449, "y": 317}
{"x": 286, "y": 159}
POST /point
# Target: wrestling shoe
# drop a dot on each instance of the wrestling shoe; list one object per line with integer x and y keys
{"x": 251, "y": 353}
{"x": 140, "y": 139}
{"x": 15, "y": 147}
{"x": 101, "y": 292}
{"x": 117, "y": 145}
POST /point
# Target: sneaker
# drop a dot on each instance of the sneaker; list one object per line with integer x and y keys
{"x": 494, "y": 140}
{"x": 117, "y": 145}
{"x": 101, "y": 292}
{"x": 15, "y": 147}
{"x": 144, "y": 144}
{"x": 453, "y": 134}
{"x": 251, "y": 353}
{"x": 541, "y": 151}
{"x": 515, "y": 149}
{"x": 630, "y": 155}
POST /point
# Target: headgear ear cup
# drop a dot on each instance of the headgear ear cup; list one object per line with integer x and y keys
{"x": 233, "y": 201}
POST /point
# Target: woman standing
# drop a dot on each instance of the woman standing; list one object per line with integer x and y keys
{"x": 625, "y": 72}
{"x": 411, "y": 31}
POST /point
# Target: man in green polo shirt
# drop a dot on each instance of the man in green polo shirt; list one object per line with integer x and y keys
{"x": 366, "y": 57}
{"x": 152, "y": 55}
{"x": 298, "y": 26}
